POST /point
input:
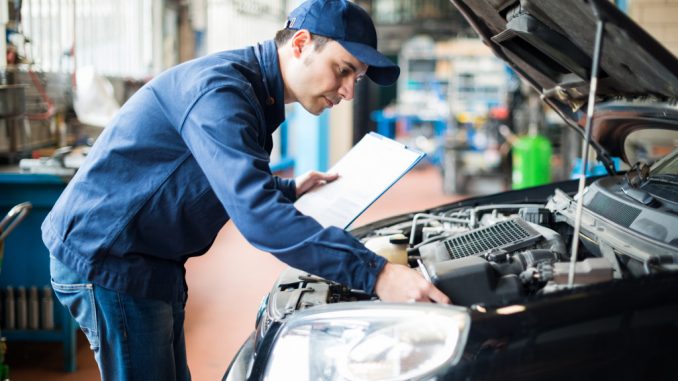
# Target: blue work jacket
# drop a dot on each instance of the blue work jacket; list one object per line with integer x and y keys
{"x": 186, "y": 153}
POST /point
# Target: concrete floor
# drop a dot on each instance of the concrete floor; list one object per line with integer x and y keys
{"x": 225, "y": 288}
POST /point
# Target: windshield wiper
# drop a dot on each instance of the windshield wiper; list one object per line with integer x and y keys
{"x": 669, "y": 178}
{"x": 637, "y": 194}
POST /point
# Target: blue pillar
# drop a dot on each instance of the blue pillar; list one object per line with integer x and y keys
{"x": 311, "y": 140}
{"x": 286, "y": 161}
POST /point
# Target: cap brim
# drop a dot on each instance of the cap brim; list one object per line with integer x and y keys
{"x": 381, "y": 70}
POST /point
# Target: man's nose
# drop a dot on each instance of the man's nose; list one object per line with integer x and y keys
{"x": 347, "y": 89}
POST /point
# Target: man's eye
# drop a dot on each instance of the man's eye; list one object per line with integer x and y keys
{"x": 343, "y": 71}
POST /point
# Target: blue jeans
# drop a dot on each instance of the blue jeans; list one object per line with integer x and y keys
{"x": 132, "y": 338}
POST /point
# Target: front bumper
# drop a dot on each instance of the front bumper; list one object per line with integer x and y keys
{"x": 237, "y": 371}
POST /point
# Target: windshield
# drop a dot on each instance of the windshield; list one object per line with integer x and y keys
{"x": 649, "y": 145}
{"x": 666, "y": 167}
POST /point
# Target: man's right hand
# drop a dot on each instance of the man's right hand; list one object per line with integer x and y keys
{"x": 398, "y": 283}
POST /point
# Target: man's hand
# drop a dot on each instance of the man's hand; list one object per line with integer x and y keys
{"x": 311, "y": 179}
{"x": 398, "y": 283}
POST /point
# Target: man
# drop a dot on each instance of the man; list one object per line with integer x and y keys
{"x": 189, "y": 151}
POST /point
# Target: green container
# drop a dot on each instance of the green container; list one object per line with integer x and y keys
{"x": 531, "y": 162}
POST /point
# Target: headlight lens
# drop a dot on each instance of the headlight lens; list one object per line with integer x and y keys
{"x": 369, "y": 341}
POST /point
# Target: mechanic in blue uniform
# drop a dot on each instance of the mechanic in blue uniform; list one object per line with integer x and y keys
{"x": 189, "y": 151}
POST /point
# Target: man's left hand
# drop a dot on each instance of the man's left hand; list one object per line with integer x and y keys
{"x": 312, "y": 179}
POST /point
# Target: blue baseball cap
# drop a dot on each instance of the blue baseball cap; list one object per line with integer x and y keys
{"x": 350, "y": 26}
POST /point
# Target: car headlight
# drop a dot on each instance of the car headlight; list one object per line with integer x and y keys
{"x": 369, "y": 341}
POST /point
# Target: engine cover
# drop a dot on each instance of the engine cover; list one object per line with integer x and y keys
{"x": 471, "y": 280}
{"x": 458, "y": 266}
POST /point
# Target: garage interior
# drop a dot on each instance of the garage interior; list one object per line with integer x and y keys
{"x": 71, "y": 64}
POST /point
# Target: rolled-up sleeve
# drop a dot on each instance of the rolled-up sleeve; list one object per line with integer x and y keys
{"x": 223, "y": 132}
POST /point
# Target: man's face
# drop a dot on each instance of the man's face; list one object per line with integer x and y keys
{"x": 323, "y": 78}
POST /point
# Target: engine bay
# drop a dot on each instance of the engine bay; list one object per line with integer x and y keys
{"x": 494, "y": 254}
{"x": 497, "y": 254}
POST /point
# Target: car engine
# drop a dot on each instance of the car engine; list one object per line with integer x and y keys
{"x": 496, "y": 254}
{"x": 493, "y": 254}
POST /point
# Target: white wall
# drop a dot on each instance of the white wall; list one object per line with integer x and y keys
{"x": 659, "y": 18}
{"x": 235, "y": 24}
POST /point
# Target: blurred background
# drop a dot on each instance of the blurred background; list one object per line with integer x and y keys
{"x": 71, "y": 64}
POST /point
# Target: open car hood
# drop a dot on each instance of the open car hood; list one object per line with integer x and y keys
{"x": 550, "y": 44}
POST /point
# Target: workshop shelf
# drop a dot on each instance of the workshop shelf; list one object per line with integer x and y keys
{"x": 26, "y": 259}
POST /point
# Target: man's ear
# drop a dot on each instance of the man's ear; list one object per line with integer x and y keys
{"x": 300, "y": 40}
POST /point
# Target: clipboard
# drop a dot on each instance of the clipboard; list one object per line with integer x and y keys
{"x": 366, "y": 172}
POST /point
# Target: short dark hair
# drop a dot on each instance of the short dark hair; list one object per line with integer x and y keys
{"x": 284, "y": 35}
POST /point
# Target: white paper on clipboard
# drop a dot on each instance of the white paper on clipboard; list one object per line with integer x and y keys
{"x": 368, "y": 170}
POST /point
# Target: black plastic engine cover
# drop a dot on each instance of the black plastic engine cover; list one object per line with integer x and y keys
{"x": 472, "y": 280}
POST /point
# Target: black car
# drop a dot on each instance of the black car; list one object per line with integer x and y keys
{"x": 572, "y": 280}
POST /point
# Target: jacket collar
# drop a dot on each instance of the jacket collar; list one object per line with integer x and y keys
{"x": 274, "y": 101}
